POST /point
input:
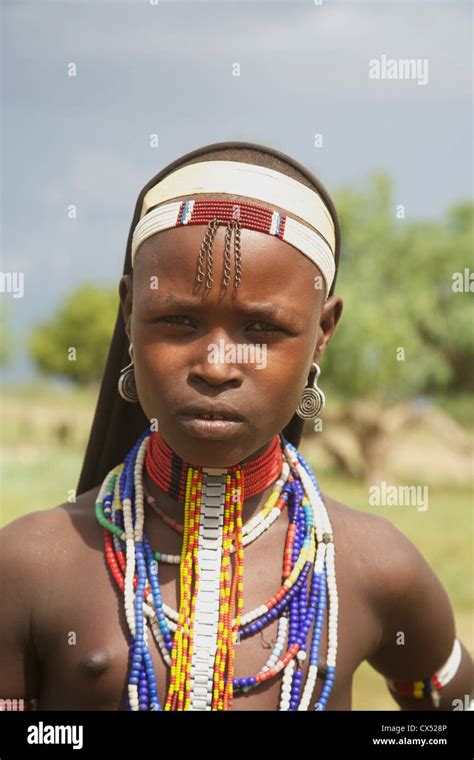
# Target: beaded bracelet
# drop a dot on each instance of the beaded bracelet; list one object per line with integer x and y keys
{"x": 18, "y": 705}
{"x": 430, "y": 686}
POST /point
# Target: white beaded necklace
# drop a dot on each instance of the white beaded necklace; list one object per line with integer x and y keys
{"x": 252, "y": 530}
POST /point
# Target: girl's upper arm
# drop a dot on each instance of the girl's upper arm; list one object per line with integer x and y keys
{"x": 418, "y": 623}
{"x": 19, "y": 668}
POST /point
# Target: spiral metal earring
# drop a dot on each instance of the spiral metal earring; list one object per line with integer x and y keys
{"x": 126, "y": 384}
{"x": 312, "y": 400}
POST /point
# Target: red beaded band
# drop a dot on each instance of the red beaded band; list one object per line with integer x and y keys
{"x": 249, "y": 215}
{"x": 169, "y": 471}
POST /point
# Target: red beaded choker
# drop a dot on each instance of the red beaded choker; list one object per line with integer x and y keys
{"x": 169, "y": 471}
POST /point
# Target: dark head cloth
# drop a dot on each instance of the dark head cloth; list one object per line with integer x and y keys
{"x": 117, "y": 423}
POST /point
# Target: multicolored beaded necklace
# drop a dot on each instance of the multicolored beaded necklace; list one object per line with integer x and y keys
{"x": 197, "y": 641}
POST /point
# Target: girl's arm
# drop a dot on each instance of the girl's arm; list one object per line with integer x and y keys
{"x": 19, "y": 668}
{"x": 418, "y": 631}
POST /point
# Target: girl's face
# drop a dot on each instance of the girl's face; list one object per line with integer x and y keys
{"x": 240, "y": 353}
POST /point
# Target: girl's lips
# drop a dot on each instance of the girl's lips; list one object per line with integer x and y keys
{"x": 215, "y": 429}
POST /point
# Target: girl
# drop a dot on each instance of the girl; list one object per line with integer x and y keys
{"x": 201, "y": 568}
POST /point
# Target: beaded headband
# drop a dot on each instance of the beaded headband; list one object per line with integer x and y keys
{"x": 315, "y": 239}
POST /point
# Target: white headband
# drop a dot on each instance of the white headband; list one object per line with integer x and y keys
{"x": 316, "y": 241}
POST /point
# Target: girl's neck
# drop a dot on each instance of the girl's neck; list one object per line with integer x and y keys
{"x": 161, "y": 469}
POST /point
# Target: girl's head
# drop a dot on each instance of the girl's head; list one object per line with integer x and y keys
{"x": 187, "y": 337}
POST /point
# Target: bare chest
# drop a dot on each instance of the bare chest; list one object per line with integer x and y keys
{"x": 84, "y": 637}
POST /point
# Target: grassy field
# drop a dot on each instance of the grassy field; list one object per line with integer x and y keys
{"x": 444, "y": 535}
{"x": 44, "y": 433}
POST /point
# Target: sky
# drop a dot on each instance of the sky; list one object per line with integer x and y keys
{"x": 167, "y": 68}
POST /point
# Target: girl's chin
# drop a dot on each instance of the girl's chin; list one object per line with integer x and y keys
{"x": 210, "y": 446}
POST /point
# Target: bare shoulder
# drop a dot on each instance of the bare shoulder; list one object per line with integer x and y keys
{"x": 402, "y": 588}
{"x": 40, "y": 553}
{"x": 37, "y": 539}
{"x": 368, "y": 529}
{"x": 377, "y": 549}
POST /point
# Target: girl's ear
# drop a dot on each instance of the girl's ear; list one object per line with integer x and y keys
{"x": 330, "y": 315}
{"x": 126, "y": 301}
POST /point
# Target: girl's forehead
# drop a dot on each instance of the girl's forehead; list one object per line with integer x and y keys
{"x": 271, "y": 270}
{"x": 265, "y": 260}
{"x": 276, "y": 279}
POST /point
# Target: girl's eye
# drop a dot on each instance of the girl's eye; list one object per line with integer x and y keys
{"x": 182, "y": 321}
{"x": 267, "y": 327}
{"x": 175, "y": 320}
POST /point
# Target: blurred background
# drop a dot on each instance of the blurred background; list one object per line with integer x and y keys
{"x": 98, "y": 96}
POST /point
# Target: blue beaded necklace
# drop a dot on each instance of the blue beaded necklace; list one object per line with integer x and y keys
{"x": 301, "y": 610}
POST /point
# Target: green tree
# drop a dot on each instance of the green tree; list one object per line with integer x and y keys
{"x": 404, "y": 330}
{"x": 75, "y": 342}
{"x": 443, "y": 315}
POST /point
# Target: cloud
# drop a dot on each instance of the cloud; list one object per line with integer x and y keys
{"x": 165, "y": 51}
{"x": 95, "y": 175}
